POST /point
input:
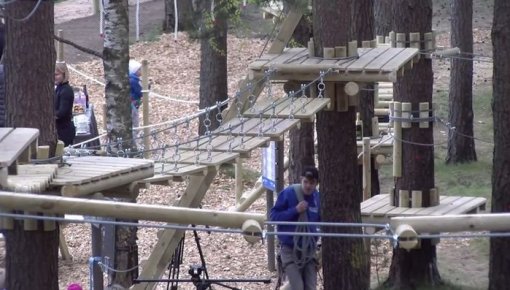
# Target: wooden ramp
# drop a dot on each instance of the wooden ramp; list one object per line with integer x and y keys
{"x": 378, "y": 209}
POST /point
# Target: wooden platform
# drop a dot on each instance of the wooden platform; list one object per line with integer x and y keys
{"x": 89, "y": 174}
{"x": 371, "y": 65}
{"x": 378, "y": 210}
{"x": 299, "y": 108}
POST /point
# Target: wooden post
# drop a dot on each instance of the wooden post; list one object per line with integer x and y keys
{"x": 352, "y": 48}
{"x": 380, "y": 39}
{"x": 238, "y": 179}
{"x": 414, "y": 42}
{"x": 60, "y": 46}
{"x": 401, "y": 40}
{"x": 375, "y": 127}
{"x": 328, "y": 52}
{"x": 403, "y": 198}
{"x": 397, "y": 143}
{"x": 393, "y": 39}
{"x": 406, "y": 114}
{"x": 367, "y": 169}
{"x": 424, "y": 113}
{"x": 340, "y": 51}
{"x": 416, "y": 198}
{"x": 434, "y": 196}
{"x": 96, "y": 9}
{"x": 145, "y": 108}
{"x": 366, "y": 44}
{"x": 311, "y": 48}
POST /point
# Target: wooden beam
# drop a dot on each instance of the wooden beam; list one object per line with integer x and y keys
{"x": 288, "y": 26}
{"x": 169, "y": 239}
{"x": 285, "y": 34}
{"x": 497, "y": 222}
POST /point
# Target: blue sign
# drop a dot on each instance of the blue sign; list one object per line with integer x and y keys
{"x": 269, "y": 166}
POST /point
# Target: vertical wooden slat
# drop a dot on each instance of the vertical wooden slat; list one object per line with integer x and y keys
{"x": 434, "y": 196}
{"x": 406, "y": 114}
{"x": 424, "y": 113}
{"x": 352, "y": 48}
{"x": 416, "y": 198}
{"x": 401, "y": 40}
{"x": 367, "y": 169}
{"x": 403, "y": 198}
{"x": 397, "y": 143}
{"x": 340, "y": 51}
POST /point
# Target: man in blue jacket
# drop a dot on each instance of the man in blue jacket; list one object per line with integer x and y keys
{"x": 299, "y": 202}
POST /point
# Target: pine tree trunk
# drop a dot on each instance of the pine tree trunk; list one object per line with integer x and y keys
{"x": 115, "y": 62}
{"x": 31, "y": 256}
{"x": 119, "y": 122}
{"x": 213, "y": 62}
{"x": 499, "y": 250}
{"x": 344, "y": 260}
{"x": 383, "y": 16}
{"x": 363, "y": 29}
{"x": 416, "y": 267}
{"x": 461, "y": 147}
{"x": 186, "y": 15}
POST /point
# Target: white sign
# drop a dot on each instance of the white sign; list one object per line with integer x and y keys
{"x": 269, "y": 166}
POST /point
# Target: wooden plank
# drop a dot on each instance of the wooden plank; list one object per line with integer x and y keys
{"x": 377, "y": 205}
{"x": 286, "y": 55}
{"x": 203, "y": 158}
{"x": 469, "y": 206}
{"x": 451, "y": 205}
{"x": 383, "y": 59}
{"x": 372, "y": 200}
{"x": 400, "y": 60}
{"x": 4, "y": 132}
{"x": 304, "y": 108}
{"x": 15, "y": 143}
{"x": 272, "y": 128}
{"x": 301, "y": 54}
{"x": 366, "y": 59}
{"x": 286, "y": 31}
{"x": 240, "y": 144}
{"x": 444, "y": 202}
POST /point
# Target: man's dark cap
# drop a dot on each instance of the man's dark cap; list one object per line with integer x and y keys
{"x": 311, "y": 172}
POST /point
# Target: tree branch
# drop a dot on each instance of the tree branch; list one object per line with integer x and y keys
{"x": 79, "y": 47}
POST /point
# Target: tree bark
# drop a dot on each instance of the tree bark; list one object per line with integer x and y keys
{"x": 186, "y": 15}
{"x": 301, "y": 143}
{"x": 213, "y": 62}
{"x": 119, "y": 122}
{"x": 410, "y": 269}
{"x": 461, "y": 146}
{"x": 115, "y": 62}
{"x": 499, "y": 249}
{"x": 344, "y": 260}
{"x": 383, "y": 16}
{"x": 363, "y": 29}
{"x": 32, "y": 256}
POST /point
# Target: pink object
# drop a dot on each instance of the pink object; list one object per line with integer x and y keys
{"x": 74, "y": 287}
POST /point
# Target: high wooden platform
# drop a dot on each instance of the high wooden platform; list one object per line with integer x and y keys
{"x": 88, "y": 174}
{"x": 378, "y": 210}
{"x": 371, "y": 65}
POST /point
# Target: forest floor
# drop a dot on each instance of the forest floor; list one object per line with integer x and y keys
{"x": 174, "y": 67}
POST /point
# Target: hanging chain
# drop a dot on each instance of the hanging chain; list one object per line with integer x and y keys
{"x": 219, "y": 117}
{"x": 292, "y": 97}
{"x": 321, "y": 86}
{"x": 251, "y": 97}
{"x": 303, "y": 98}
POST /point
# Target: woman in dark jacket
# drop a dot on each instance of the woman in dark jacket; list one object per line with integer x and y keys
{"x": 64, "y": 99}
